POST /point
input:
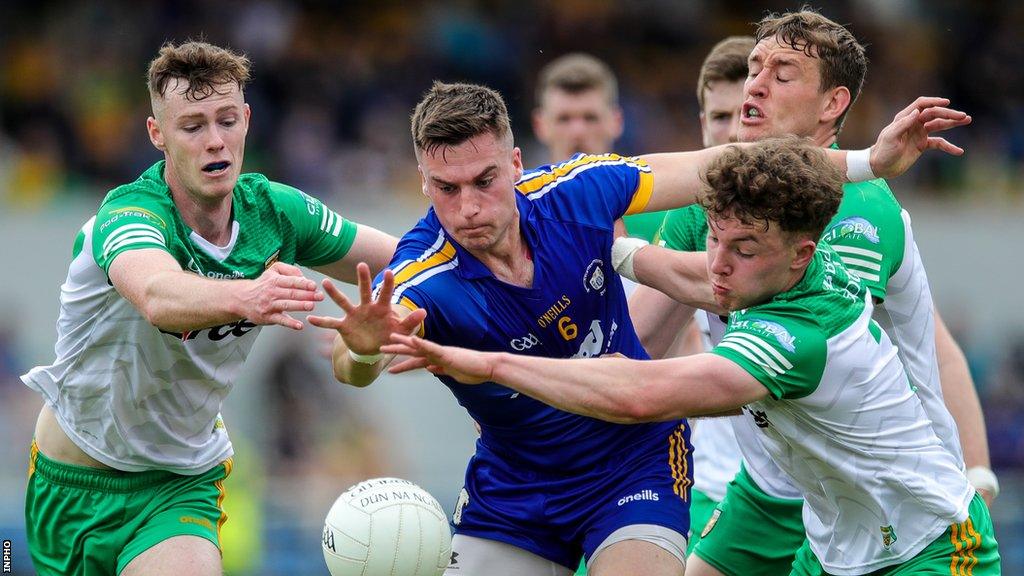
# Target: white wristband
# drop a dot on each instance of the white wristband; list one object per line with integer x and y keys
{"x": 623, "y": 250}
{"x": 983, "y": 478}
{"x": 365, "y": 358}
{"x": 858, "y": 165}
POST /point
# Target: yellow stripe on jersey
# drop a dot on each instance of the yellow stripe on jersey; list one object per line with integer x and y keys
{"x": 32, "y": 457}
{"x": 406, "y": 302}
{"x": 677, "y": 463}
{"x": 221, "y": 494}
{"x": 643, "y": 193}
{"x": 544, "y": 178}
{"x": 444, "y": 255}
{"x": 965, "y": 541}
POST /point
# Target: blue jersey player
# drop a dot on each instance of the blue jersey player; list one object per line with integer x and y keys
{"x": 521, "y": 262}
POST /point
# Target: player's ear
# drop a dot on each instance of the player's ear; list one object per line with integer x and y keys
{"x": 837, "y": 102}
{"x": 517, "y": 163}
{"x": 423, "y": 180}
{"x": 618, "y": 123}
{"x": 540, "y": 129}
{"x": 803, "y": 252}
{"x": 155, "y": 135}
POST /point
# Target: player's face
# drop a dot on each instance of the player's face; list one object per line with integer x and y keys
{"x": 472, "y": 189}
{"x": 749, "y": 264}
{"x": 582, "y": 122}
{"x": 203, "y": 140}
{"x": 720, "y": 119}
{"x": 783, "y": 95}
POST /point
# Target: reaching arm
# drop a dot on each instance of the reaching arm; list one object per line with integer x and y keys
{"x": 962, "y": 399}
{"x": 177, "y": 301}
{"x": 677, "y": 175}
{"x": 658, "y": 320}
{"x": 612, "y": 389}
{"x": 356, "y": 357}
{"x": 371, "y": 246}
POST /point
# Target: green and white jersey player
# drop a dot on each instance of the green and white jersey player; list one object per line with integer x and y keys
{"x": 168, "y": 286}
{"x": 788, "y": 91}
{"x": 801, "y": 356}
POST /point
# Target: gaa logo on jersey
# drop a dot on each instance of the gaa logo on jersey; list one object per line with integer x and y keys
{"x": 888, "y": 536}
{"x": 853, "y": 226}
{"x": 524, "y": 343}
{"x": 594, "y": 278}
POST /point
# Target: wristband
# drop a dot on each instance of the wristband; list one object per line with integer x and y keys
{"x": 365, "y": 358}
{"x": 623, "y": 250}
{"x": 983, "y": 478}
{"x": 858, "y": 165}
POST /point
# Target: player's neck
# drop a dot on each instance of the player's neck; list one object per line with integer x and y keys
{"x": 510, "y": 260}
{"x": 211, "y": 220}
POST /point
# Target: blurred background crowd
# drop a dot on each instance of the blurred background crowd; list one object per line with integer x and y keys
{"x": 334, "y": 84}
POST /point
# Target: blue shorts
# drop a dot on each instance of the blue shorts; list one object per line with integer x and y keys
{"x": 561, "y": 516}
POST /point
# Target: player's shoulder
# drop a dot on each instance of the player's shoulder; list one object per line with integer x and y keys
{"x": 424, "y": 263}
{"x": 579, "y": 171}
{"x": 871, "y": 194}
{"x": 149, "y": 188}
{"x": 780, "y": 329}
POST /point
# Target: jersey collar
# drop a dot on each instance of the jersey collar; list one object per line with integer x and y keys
{"x": 470, "y": 268}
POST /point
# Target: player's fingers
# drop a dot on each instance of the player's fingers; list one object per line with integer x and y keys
{"x": 286, "y": 269}
{"x": 338, "y": 296}
{"x": 940, "y": 112}
{"x": 411, "y": 322}
{"x": 921, "y": 103}
{"x": 936, "y": 143}
{"x": 398, "y": 348}
{"x": 293, "y": 305}
{"x": 387, "y": 287}
{"x": 297, "y": 282}
{"x": 940, "y": 124}
{"x": 902, "y": 125}
{"x": 328, "y": 322}
{"x": 299, "y": 294}
{"x": 408, "y": 365}
{"x": 364, "y": 282}
{"x": 282, "y": 319}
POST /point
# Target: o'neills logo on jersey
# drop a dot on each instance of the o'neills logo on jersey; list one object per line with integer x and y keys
{"x": 193, "y": 266}
{"x": 646, "y": 494}
{"x": 216, "y": 333}
{"x": 853, "y": 226}
{"x": 552, "y": 313}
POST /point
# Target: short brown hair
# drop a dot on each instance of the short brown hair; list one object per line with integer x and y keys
{"x": 727, "y": 61}
{"x": 841, "y": 56}
{"x": 450, "y": 114}
{"x": 575, "y": 73}
{"x": 204, "y": 66}
{"x": 787, "y": 181}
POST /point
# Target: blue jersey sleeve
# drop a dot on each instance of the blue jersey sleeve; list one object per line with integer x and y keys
{"x": 594, "y": 190}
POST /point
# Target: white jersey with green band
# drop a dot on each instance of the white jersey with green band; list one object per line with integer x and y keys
{"x": 875, "y": 241}
{"x": 135, "y": 397}
{"x": 844, "y": 422}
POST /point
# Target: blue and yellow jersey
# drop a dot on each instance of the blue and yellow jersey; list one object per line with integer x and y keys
{"x": 576, "y": 307}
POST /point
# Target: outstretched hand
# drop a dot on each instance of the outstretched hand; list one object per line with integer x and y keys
{"x": 368, "y": 326}
{"x": 466, "y": 366}
{"x": 903, "y": 141}
{"x": 280, "y": 289}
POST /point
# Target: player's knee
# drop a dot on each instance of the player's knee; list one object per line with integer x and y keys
{"x": 636, "y": 557}
{"x": 177, "y": 556}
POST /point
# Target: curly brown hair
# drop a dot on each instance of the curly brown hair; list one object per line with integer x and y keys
{"x": 450, "y": 114}
{"x": 785, "y": 181}
{"x": 204, "y": 66}
{"x": 842, "y": 61}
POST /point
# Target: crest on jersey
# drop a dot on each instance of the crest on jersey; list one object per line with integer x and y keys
{"x": 711, "y": 523}
{"x": 459, "y": 506}
{"x": 273, "y": 258}
{"x": 594, "y": 278}
{"x": 854, "y": 226}
{"x": 888, "y": 536}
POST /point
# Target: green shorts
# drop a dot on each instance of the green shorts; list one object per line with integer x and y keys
{"x": 751, "y": 533}
{"x": 965, "y": 549}
{"x": 701, "y": 509}
{"x": 85, "y": 521}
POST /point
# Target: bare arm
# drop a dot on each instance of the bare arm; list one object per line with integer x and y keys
{"x": 683, "y": 276}
{"x": 365, "y": 328}
{"x": 961, "y": 397}
{"x": 658, "y": 320}
{"x": 612, "y": 389}
{"x": 371, "y": 246}
{"x": 175, "y": 300}
{"x": 899, "y": 145}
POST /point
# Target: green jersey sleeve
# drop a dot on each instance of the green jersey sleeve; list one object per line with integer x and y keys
{"x": 785, "y": 350}
{"x": 130, "y": 221}
{"x": 868, "y": 234}
{"x": 322, "y": 236}
{"x": 684, "y": 229}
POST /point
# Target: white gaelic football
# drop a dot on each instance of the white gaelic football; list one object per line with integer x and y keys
{"x": 386, "y": 527}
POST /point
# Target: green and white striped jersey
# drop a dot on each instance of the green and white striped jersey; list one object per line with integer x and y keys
{"x": 135, "y": 397}
{"x": 845, "y": 423}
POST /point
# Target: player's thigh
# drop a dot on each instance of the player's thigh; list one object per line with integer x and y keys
{"x": 472, "y": 556}
{"x": 751, "y": 533}
{"x": 637, "y": 557}
{"x": 695, "y": 566}
{"x": 177, "y": 556}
